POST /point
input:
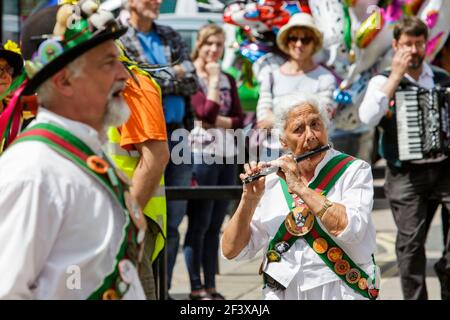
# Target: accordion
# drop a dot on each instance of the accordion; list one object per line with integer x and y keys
{"x": 422, "y": 122}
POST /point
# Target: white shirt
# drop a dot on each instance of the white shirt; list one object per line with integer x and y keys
{"x": 55, "y": 220}
{"x": 319, "y": 81}
{"x": 300, "y": 267}
{"x": 376, "y": 103}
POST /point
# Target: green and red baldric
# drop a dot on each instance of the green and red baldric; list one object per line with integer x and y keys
{"x": 328, "y": 250}
{"x": 101, "y": 169}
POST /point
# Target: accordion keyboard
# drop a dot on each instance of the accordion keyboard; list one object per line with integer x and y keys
{"x": 409, "y": 125}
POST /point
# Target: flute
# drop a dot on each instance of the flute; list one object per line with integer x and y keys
{"x": 264, "y": 172}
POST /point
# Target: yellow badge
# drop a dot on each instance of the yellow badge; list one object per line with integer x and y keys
{"x": 341, "y": 267}
{"x": 362, "y": 284}
{"x": 273, "y": 256}
{"x": 320, "y": 245}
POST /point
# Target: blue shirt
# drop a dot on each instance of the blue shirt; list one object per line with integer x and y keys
{"x": 174, "y": 106}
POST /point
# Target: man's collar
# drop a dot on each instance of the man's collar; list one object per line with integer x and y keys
{"x": 84, "y": 132}
{"x": 426, "y": 72}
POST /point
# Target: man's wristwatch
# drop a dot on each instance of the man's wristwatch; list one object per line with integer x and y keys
{"x": 326, "y": 205}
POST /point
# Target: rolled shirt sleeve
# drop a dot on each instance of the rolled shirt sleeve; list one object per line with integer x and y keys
{"x": 375, "y": 103}
{"x": 358, "y": 202}
{"x": 258, "y": 239}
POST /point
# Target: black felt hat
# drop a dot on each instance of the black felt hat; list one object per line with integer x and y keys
{"x": 12, "y": 56}
{"x": 55, "y": 36}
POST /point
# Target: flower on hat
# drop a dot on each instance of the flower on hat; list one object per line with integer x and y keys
{"x": 12, "y": 46}
{"x": 76, "y": 22}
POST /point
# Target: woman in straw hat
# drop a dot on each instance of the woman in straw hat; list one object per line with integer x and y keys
{"x": 299, "y": 39}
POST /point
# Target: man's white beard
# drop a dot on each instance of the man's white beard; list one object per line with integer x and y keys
{"x": 117, "y": 112}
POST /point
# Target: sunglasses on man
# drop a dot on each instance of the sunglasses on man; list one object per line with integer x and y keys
{"x": 304, "y": 40}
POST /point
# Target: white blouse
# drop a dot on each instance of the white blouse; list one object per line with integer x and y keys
{"x": 300, "y": 267}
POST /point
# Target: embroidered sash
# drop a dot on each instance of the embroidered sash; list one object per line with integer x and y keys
{"x": 327, "y": 249}
{"x": 117, "y": 283}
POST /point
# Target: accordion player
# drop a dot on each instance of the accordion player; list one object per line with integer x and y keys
{"x": 422, "y": 119}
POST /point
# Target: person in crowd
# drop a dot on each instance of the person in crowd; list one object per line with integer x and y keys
{"x": 217, "y": 108}
{"x": 312, "y": 218}
{"x": 410, "y": 185}
{"x": 11, "y": 65}
{"x": 139, "y": 148}
{"x": 69, "y": 228}
{"x": 299, "y": 39}
{"x": 149, "y": 42}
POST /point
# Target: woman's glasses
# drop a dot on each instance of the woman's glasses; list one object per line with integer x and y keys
{"x": 9, "y": 70}
{"x": 304, "y": 40}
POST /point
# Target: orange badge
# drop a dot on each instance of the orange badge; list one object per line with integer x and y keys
{"x": 97, "y": 164}
{"x": 320, "y": 245}
{"x": 341, "y": 267}
{"x": 334, "y": 254}
{"x": 110, "y": 294}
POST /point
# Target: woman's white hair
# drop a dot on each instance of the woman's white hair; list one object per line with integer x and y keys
{"x": 293, "y": 101}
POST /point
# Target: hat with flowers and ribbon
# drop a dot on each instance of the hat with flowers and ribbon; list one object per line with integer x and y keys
{"x": 51, "y": 39}
{"x": 10, "y": 51}
{"x": 55, "y": 36}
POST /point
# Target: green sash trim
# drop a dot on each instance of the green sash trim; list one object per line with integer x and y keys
{"x": 324, "y": 181}
{"x": 76, "y": 150}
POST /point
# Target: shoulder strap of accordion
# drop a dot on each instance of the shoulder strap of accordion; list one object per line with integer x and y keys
{"x": 404, "y": 83}
{"x": 441, "y": 76}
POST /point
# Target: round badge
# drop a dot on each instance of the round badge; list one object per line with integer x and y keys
{"x": 49, "y": 50}
{"x": 299, "y": 222}
{"x": 97, "y": 164}
{"x": 334, "y": 254}
{"x": 320, "y": 245}
{"x": 362, "y": 284}
{"x": 281, "y": 247}
{"x": 341, "y": 267}
{"x": 273, "y": 256}
{"x": 127, "y": 271}
{"x": 110, "y": 294}
{"x": 353, "y": 276}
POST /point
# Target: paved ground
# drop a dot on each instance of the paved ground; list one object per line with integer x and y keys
{"x": 240, "y": 280}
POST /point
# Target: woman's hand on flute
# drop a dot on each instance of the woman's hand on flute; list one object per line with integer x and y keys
{"x": 290, "y": 173}
{"x": 253, "y": 190}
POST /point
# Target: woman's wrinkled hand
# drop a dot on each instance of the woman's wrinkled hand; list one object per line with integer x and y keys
{"x": 253, "y": 190}
{"x": 289, "y": 172}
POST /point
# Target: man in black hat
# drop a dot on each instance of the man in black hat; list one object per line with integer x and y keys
{"x": 68, "y": 224}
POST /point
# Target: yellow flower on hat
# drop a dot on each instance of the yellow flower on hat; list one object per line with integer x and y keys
{"x": 61, "y": 2}
{"x": 12, "y": 46}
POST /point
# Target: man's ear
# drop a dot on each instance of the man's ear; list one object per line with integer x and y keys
{"x": 63, "y": 83}
{"x": 394, "y": 44}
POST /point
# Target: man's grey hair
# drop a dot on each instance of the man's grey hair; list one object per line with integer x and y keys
{"x": 46, "y": 90}
{"x": 293, "y": 101}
